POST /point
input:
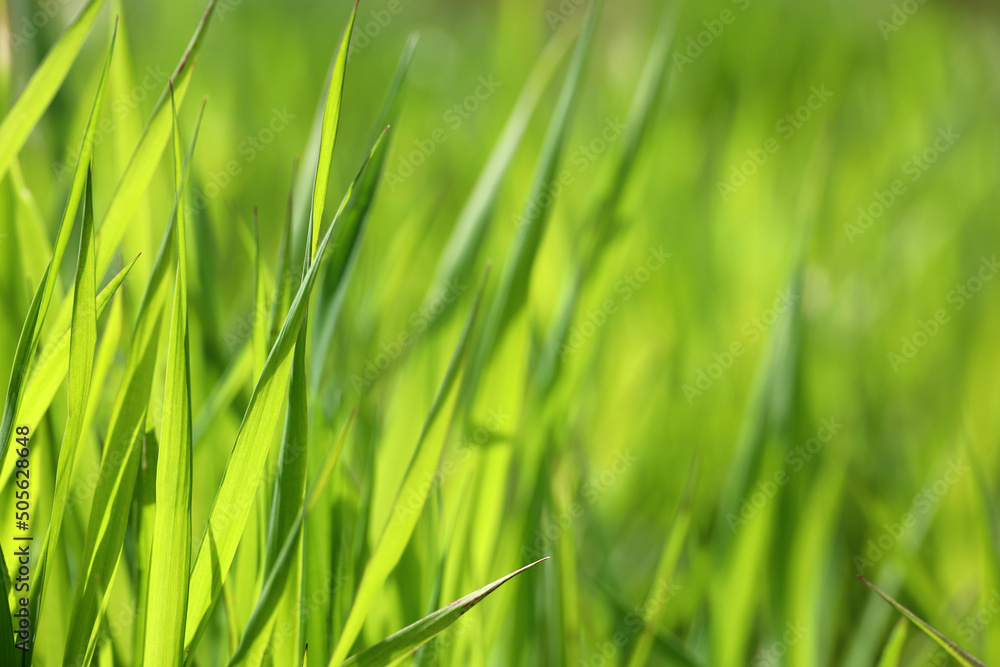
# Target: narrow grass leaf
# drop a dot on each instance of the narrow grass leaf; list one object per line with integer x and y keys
{"x": 953, "y": 649}
{"x": 120, "y": 460}
{"x": 241, "y": 478}
{"x": 31, "y": 330}
{"x": 410, "y": 499}
{"x": 170, "y": 554}
{"x": 412, "y": 636}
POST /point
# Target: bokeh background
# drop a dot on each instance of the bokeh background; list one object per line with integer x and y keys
{"x": 796, "y": 318}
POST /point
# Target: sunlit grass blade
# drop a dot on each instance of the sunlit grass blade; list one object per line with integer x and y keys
{"x": 458, "y": 255}
{"x": 144, "y": 519}
{"x": 31, "y": 330}
{"x": 44, "y": 84}
{"x": 328, "y": 138}
{"x": 278, "y": 570}
{"x": 410, "y": 498}
{"x": 348, "y": 239}
{"x": 244, "y": 467}
{"x": 893, "y": 651}
{"x": 516, "y": 273}
{"x": 120, "y": 460}
{"x": 258, "y": 334}
{"x": 412, "y": 636}
{"x": 132, "y": 186}
{"x": 83, "y": 342}
{"x": 170, "y": 554}
{"x": 953, "y": 649}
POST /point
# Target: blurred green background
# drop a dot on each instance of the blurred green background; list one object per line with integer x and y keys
{"x": 796, "y": 315}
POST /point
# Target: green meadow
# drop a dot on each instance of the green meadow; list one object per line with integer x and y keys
{"x": 500, "y": 333}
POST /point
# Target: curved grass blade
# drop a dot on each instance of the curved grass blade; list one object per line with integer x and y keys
{"x": 244, "y": 467}
{"x": 170, "y": 554}
{"x": 278, "y": 571}
{"x": 44, "y": 84}
{"x": 893, "y": 651}
{"x": 953, "y": 649}
{"x": 120, "y": 460}
{"x": 404, "y": 516}
{"x": 413, "y": 636}
{"x": 32, "y": 326}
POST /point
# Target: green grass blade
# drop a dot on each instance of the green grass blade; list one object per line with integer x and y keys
{"x": 513, "y": 288}
{"x": 331, "y": 120}
{"x": 412, "y": 636}
{"x": 132, "y": 186}
{"x": 145, "y": 517}
{"x": 893, "y": 651}
{"x": 44, "y": 84}
{"x": 348, "y": 240}
{"x": 460, "y": 252}
{"x": 953, "y": 649}
{"x": 120, "y": 460}
{"x": 83, "y": 342}
{"x": 278, "y": 571}
{"x": 237, "y": 490}
{"x": 8, "y": 655}
{"x": 170, "y": 555}
{"x": 32, "y": 327}
{"x": 403, "y": 518}
{"x": 258, "y": 334}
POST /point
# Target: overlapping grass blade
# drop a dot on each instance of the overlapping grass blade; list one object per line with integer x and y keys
{"x": 410, "y": 499}
{"x": 146, "y": 156}
{"x": 83, "y": 341}
{"x": 515, "y": 276}
{"x": 412, "y": 636}
{"x": 348, "y": 240}
{"x": 328, "y": 137}
{"x": 8, "y": 655}
{"x": 120, "y": 459}
{"x": 31, "y": 330}
{"x": 463, "y": 245}
{"x": 170, "y": 553}
{"x": 44, "y": 84}
{"x": 953, "y": 649}
{"x": 237, "y": 490}
{"x": 278, "y": 570}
